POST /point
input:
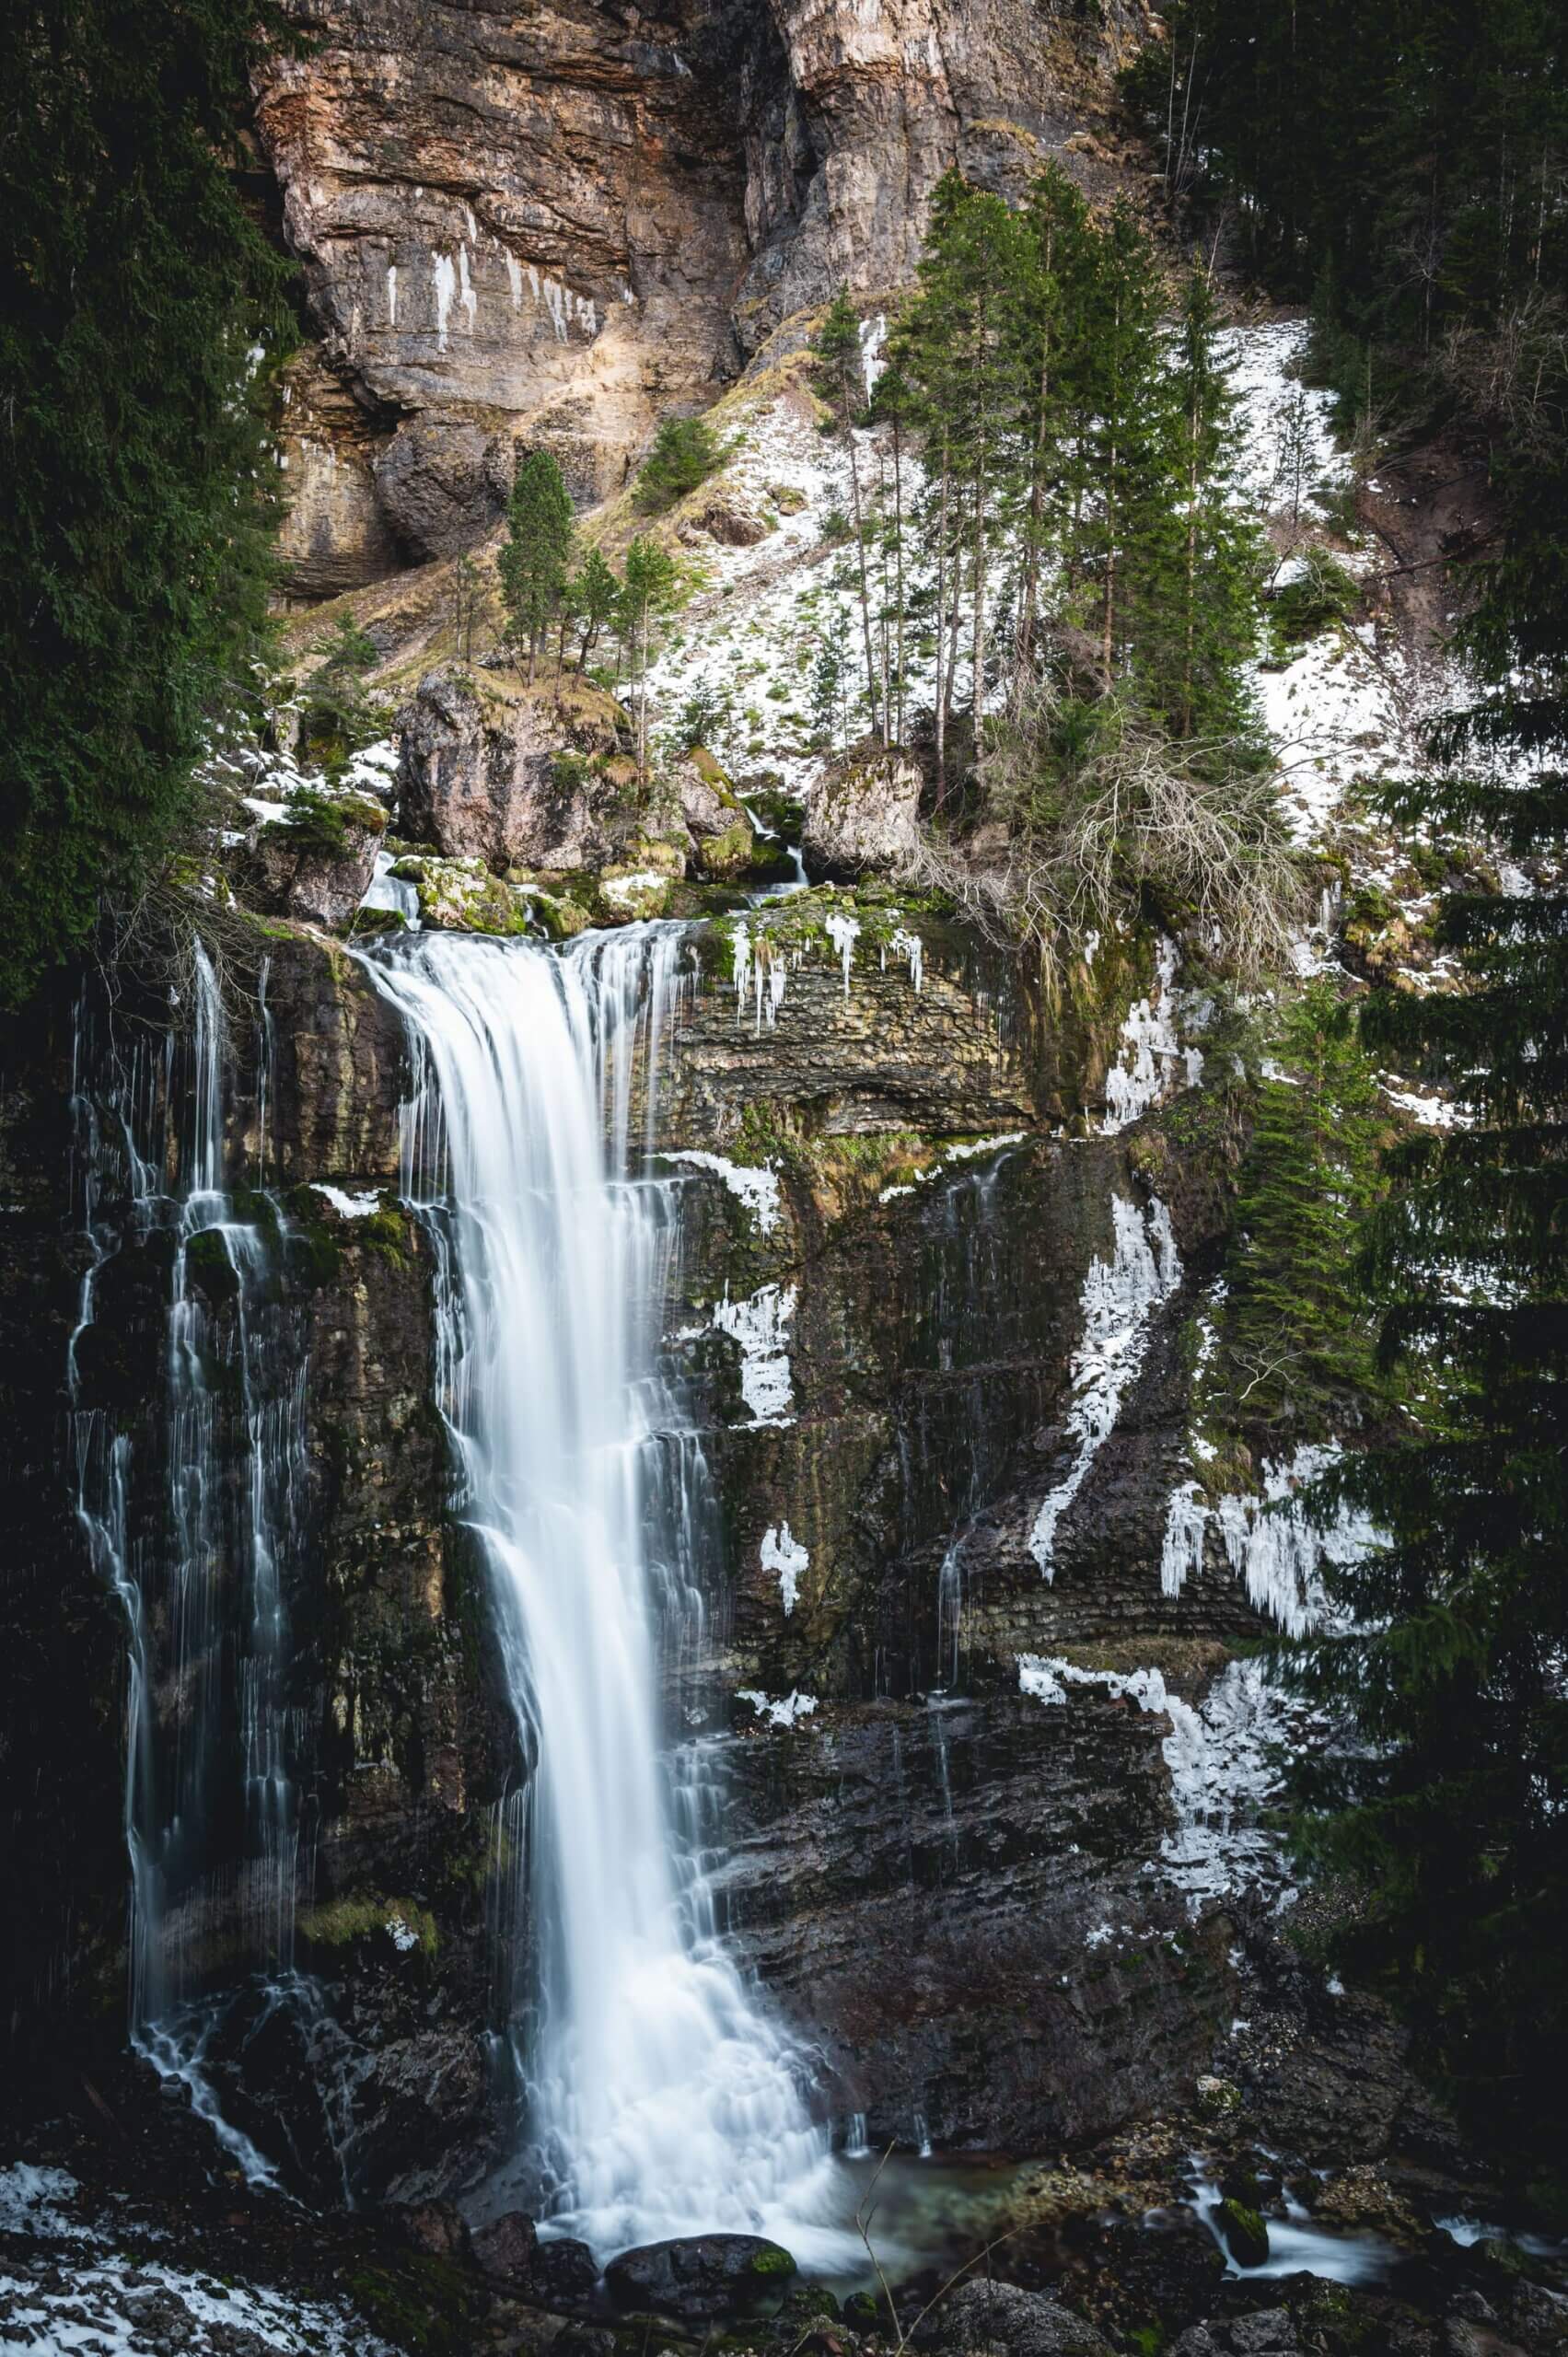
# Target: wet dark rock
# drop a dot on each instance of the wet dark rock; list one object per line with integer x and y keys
{"x": 1155, "y": 2273}
{"x": 507, "y": 2247}
{"x": 436, "y": 2228}
{"x": 1246, "y": 2234}
{"x": 702, "y": 2277}
{"x": 563, "y": 2269}
{"x": 986, "y": 2315}
{"x": 1270, "y": 2333}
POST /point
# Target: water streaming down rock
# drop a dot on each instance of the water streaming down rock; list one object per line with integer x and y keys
{"x": 191, "y": 1505}
{"x": 660, "y": 2099}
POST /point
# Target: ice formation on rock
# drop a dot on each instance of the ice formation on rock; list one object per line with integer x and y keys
{"x": 1120, "y": 1297}
{"x": 783, "y": 1552}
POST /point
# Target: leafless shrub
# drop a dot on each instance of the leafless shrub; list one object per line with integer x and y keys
{"x": 1516, "y": 370}
{"x": 1196, "y": 823}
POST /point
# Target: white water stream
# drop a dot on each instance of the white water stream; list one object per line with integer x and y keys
{"x": 661, "y": 2099}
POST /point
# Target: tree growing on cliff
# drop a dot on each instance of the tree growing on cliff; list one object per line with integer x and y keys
{"x": 653, "y": 588}
{"x": 1448, "y": 1654}
{"x": 840, "y": 364}
{"x": 536, "y": 556}
{"x": 685, "y": 452}
{"x": 140, "y": 312}
{"x": 596, "y": 593}
{"x": 1298, "y": 1332}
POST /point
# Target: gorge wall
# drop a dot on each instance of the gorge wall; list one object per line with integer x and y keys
{"x": 920, "y": 1857}
{"x": 553, "y": 225}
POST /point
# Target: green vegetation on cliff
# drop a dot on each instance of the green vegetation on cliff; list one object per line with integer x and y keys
{"x": 140, "y": 307}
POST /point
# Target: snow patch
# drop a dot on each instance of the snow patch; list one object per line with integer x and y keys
{"x": 348, "y": 1206}
{"x": 758, "y": 1324}
{"x": 784, "y": 1553}
{"x": 1119, "y": 1300}
{"x": 757, "y": 1189}
{"x": 778, "y": 1714}
{"x": 1153, "y": 1063}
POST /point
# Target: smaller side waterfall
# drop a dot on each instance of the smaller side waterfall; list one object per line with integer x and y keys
{"x": 191, "y": 1505}
{"x": 660, "y": 2098}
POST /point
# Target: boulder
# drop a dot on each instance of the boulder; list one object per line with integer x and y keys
{"x": 440, "y": 484}
{"x": 729, "y": 853}
{"x": 563, "y": 2272}
{"x": 315, "y": 864}
{"x": 1246, "y": 2234}
{"x": 436, "y": 2229}
{"x": 703, "y": 2278}
{"x": 863, "y": 820}
{"x": 461, "y": 896}
{"x": 483, "y": 772}
{"x": 1363, "y": 2196}
{"x": 506, "y": 2248}
{"x": 1271, "y": 2332}
{"x": 984, "y": 2315}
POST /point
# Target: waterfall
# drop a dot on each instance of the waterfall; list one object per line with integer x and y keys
{"x": 195, "y": 1556}
{"x": 660, "y": 2098}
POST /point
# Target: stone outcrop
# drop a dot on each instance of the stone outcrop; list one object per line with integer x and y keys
{"x": 861, "y": 820}
{"x": 550, "y": 228}
{"x": 317, "y": 868}
{"x": 481, "y": 773}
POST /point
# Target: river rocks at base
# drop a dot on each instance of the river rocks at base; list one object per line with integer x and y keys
{"x": 863, "y": 820}
{"x": 1272, "y": 2333}
{"x": 1245, "y": 2231}
{"x": 565, "y": 2272}
{"x": 703, "y": 2278}
{"x": 436, "y": 2228}
{"x": 983, "y": 2315}
{"x": 1363, "y": 2196}
{"x": 507, "y": 2247}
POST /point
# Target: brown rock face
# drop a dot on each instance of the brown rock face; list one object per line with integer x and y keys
{"x": 479, "y": 778}
{"x": 553, "y": 225}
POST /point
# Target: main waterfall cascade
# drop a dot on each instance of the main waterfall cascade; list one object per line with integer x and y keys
{"x": 660, "y": 2098}
{"x": 167, "y": 1536}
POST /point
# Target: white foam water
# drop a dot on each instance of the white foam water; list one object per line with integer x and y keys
{"x": 660, "y": 2097}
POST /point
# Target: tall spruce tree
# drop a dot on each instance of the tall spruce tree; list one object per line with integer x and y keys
{"x": 652, "y": 588}
{"x": 1126, "y": 439}
{"x": 1298, "y": 1336}
{"x": 842, "y": 363}
{"x": 1194, "y": 601}
{"x": 536, "y": 556}
{"x": 141, "y": 308}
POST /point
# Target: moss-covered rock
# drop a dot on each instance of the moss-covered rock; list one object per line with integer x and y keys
{"x": 463, "y": 896}
{"x": 1246, "y": 2234}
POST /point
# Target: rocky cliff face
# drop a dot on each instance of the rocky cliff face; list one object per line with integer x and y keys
{"x": 910, "y": 1869}
{"x": 555, "y": 226}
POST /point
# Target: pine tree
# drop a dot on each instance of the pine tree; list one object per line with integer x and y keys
{"x": 685, "y": 452}
{"x": 536, "y": 555}
{"x": 837, "y": 349}
{"x": 653, "y": 587}
{"x": 1194, "y": 601}
{"x": 1050, "y": 323}
{"x": 1298, "y": 1338}
{"x": 1127, "y": 444}
{"x": 597, "y": 593}
{"x": 141, "y": 487}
